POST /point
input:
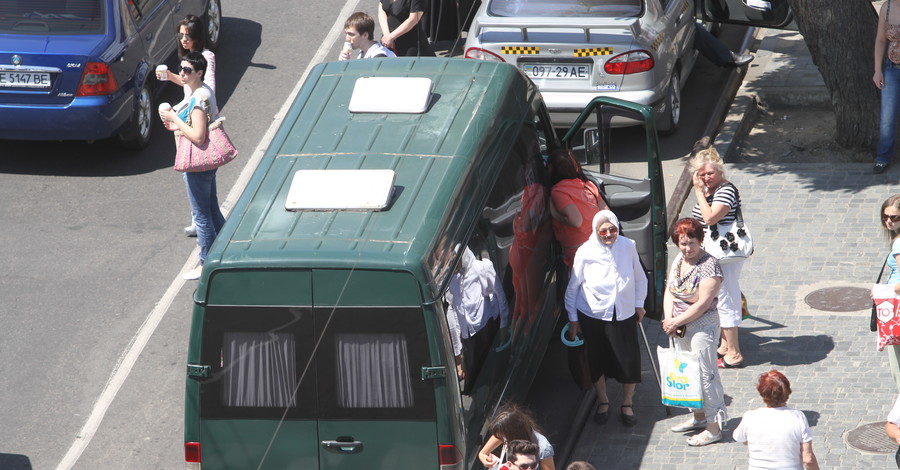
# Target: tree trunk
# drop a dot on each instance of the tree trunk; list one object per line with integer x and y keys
{"x": 840, "y": 35}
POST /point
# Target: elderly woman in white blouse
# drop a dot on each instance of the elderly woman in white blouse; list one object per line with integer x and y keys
{"x": 605, "y": 302}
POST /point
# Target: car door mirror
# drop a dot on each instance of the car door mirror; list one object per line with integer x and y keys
{"x": 762, "y": 13}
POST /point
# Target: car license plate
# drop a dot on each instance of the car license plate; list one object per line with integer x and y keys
{"x": 554, "y": 71}
{"x": 25, "y": 79}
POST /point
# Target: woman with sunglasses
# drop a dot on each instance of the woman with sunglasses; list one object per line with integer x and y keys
{"x": 192, "y": 38}
{"x": 890, "y": 223}
{"x": 692, "y": 320}
{"x": 717, "y": 203}
{"x": 605, "y": 302}
{"x": 191, "y": 117}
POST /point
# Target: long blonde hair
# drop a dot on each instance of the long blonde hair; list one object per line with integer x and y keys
{"x": 893, "y": 201}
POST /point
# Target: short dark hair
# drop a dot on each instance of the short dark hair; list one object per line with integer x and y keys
{"x": 580, "y": 465}
{"x": 520, "y": 447}
{"x": 362, "y": 23}
{"x": 689, "y": 227}
{"x": 197, "y": 61}
{"x": 196, "y": 30}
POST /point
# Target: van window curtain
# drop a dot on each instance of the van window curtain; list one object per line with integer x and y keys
{"x": 373, "y": 371}
{"x": 259, "y": 370}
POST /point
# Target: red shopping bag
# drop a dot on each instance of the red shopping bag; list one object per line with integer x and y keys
{"x": 886, "y": 313}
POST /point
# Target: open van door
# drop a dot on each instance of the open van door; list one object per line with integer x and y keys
{"x": 625, "y": 165}
{"x": 774, "y": 14}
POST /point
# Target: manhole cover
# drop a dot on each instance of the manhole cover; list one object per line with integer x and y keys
{"x": 871, "y": 438}
{"x": 839, "y": 299}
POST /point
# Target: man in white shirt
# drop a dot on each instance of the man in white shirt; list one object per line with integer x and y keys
{"x": 359, "y": 29}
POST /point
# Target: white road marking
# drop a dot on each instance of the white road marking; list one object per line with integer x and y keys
{"x": 130, "y": 356}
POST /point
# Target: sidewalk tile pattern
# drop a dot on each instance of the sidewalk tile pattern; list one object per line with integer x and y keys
{"x": 812, "y": 224}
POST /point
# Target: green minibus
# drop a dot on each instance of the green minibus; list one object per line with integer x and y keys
{"x": 319, "y": 337}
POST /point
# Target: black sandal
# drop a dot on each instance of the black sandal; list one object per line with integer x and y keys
{"x": 629, "y": 420}
{"x": 601, "y": 418}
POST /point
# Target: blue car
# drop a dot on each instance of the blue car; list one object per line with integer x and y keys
{"x": 84, "y": 69}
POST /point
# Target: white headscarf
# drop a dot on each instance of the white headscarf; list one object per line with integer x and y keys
{"x": 606, "y": 276}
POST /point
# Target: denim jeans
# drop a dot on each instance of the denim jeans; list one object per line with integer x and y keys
{"x": 890, "y": 105}
{"x": 201, "y": 190}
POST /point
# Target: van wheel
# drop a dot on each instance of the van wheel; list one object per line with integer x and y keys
{"x": 668, "y": 124}
{"x": 137, "y": 135}
{"x": 213, "y": 24}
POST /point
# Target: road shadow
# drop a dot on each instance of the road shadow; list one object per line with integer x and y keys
{"x": 105, "y": 158}
{"x": 236, "y": 50}
{"x": 15, "y": 462}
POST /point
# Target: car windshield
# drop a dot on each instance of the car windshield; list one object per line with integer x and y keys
{"x": 566, "y": 8}
{"x": 51, "y": 16}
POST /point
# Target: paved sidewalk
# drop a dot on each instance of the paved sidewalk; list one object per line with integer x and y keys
{"x": 814, "y": 226}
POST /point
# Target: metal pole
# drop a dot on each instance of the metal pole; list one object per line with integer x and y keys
{"x": 653, "y": 365}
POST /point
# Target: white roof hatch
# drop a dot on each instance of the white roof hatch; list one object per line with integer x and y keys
{"x": 354, "y": 190}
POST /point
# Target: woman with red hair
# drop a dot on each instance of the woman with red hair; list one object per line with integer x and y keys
{"x": 692, "y": 320}
{"x": 777, "y": 436}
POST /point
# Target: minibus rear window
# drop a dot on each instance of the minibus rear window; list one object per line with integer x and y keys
{"x": 259, "y": 369}
{"x": 373, "y": 371}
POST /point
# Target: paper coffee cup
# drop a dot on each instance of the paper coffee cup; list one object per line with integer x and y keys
{"x": 163, "y": 71}
{"x": 164, "y": 107}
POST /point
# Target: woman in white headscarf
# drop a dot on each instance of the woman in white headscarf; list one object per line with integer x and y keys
{"x": 605, "y": 302}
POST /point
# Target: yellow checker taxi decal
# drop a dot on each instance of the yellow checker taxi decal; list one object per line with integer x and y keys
{"x": 592, "y": 51}
{"x": 657, "y": 42}
{"x": 520, "y": 50}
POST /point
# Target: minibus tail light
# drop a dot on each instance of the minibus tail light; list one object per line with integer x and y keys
{"x": 450, "y": 457}
{"x": 191, "y": 456}
{"x": 97, "y": 79}
{"x": 482, "y": 54}
{"x": 628, "y": 63}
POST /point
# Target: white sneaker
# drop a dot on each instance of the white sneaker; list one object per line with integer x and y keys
{"x": 190, "y": 230}
{"x": 193, "y": 274}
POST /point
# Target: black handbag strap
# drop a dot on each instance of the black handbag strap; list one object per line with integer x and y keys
{"x": 881, "y": 272}
{"x": 738, "y": 215}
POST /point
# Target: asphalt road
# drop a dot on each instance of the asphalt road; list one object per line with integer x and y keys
{"x": 92, "y": 241}
{"x": 92, "y": 247}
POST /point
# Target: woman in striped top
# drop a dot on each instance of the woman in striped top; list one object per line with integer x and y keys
{"x": 717, "y": 202}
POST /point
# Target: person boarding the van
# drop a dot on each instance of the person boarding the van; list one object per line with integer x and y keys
{"x": 360, "y": 29}
{"x": 476, "y": 308}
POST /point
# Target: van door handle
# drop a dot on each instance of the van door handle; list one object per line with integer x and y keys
{"x": 343, "y": 447}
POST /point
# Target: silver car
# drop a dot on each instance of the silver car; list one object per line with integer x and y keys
{"x": 575, "y": 50}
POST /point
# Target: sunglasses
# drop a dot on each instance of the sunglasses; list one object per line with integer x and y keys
{"x": 184, "y": 36}
{"x": 528, "y": 466}
{"x": 894, "y": 218}
{"x": 604, "y": 233}
{"x": 187, "y": 70}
